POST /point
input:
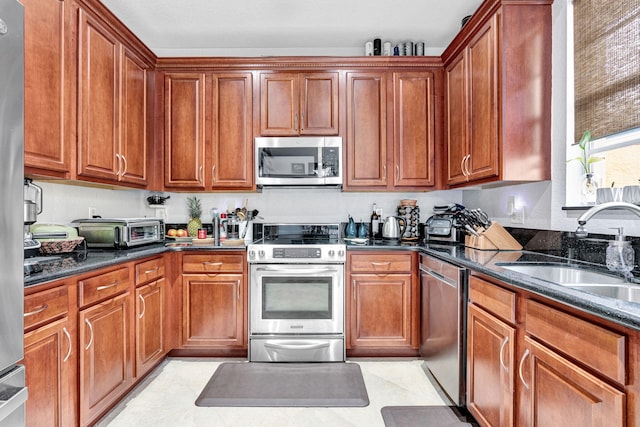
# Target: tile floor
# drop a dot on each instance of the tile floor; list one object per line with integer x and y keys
{"x": 166, "y": 398}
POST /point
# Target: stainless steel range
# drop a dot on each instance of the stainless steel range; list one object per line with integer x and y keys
{"x": 297, "y": 296}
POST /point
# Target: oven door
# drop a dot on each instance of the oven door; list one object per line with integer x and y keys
{"x": 297, "y": 299}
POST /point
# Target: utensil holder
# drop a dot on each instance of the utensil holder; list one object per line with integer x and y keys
{"x": 493, "y": 238}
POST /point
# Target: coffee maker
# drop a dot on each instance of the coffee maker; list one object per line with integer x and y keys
{"x": 32, "y": 208}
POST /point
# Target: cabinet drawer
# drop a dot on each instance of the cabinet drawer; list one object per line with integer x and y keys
{"x": 213, "y": 263}
{"x": 382, "y": 263}
{"x": 44, "y": 306}
{"x": 494, "y": 299}
{"x": 596, "y": 347}
{"x": 103, "y": 286}
{"x": 148, "y": 271}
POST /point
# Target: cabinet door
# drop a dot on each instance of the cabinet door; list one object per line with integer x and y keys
{"x": 213, "y": 310}
{"x": 184, "y": 150}
{"x": 50, "y": 360}
{"x": 490, "y": 368}
{"x": 457, "y": 120}
{"x": 46, "y": 118}
{"x": 319, "y": 103}
{"x": 149, "y": 326}
{"x": 105, "y": 355}
{"x": 557, "y": 392}
{"x": 483, "y": 103}
{"x": 279, "y": 104}
{"x": 98, "y": 105}
{"x": 366, "y": 130}
{"x": 414, "y": 130}
{"x": 133, "y": 131}
{"x": 231, "y": 163}
{"x": 381, "y": 311}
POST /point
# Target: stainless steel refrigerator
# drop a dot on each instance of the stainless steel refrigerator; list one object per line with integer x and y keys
{"x": 13, "y": 392}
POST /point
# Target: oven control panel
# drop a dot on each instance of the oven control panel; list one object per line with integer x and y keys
{"x": 296, "y": 253}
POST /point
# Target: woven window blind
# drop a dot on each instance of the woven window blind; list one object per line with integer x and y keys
{"x": 607, "y": 66}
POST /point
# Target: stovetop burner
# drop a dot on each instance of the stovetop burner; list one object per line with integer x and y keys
{"x": 298, "y": 243}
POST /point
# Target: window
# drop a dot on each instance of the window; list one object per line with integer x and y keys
{"x": 606, "y": 61}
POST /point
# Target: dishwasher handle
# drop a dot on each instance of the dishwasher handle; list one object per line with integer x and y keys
{"x": 440, "y": 277}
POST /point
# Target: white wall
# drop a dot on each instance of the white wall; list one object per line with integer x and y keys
{"x": 542, "y": 201}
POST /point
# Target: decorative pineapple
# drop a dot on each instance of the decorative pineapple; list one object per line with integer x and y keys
{"x": 195, "y": 210}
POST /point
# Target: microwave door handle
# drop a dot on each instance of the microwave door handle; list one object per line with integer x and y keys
{"x": 116, "y": 237}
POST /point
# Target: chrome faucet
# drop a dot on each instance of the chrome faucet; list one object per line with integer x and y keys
{"x": 581, "y": 231}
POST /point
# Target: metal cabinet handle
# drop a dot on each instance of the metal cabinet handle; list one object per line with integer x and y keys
{"x": 397, "y": 173}
{"x": 386, "y": 263}
{"x": 200, "y": 174}
{"x": 144, "y": 307}
{"x": 124, "y": 159}
{"x": 524, "y": 356}
{"x": 302, "y": 122}
{"x": 462, "y": 166}
{"x": 467, "y": 172}
{"x": 37, "y": 310}
{"x": 119, "y": 165}
{"x": 213, "y": 174}
{"x": 295, "y": 121}
{"x": 103, "y": 287}
{"x": 153, "y": 270}
{"x": 384, "y": 170}
{"x": 66, "y": 333}
{"x": 504, "y": 344}
{"x": 354, "y": 290}
{"x": 238, "y": 291}
{"x": 91, "y": 336}
{"x": 217, "y": 264}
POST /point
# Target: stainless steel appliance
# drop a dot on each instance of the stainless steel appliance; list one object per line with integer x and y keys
{"x": 393, "y": 228}
{"x": 297, "y": 296}
{"x": 442, "y": 226}
{"x": 298, "y": 161}
{"x": 443, "y": 324}
{"x": 13, "y": 393}
{"x": 120, "y": 232}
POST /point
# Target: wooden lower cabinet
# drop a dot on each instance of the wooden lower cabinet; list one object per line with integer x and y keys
{"x": 531, "y": 363}
{"x": 559, "y": 393}
{"x": 490, "y": 368}
{"x": 382, "y": 302}
{"x": 50, "y": 360}
{"x": 213, "y": 310}
{"x": 106, "y": 356}
{"x": 149, "y": 317}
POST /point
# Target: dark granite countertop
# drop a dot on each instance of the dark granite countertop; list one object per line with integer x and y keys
{"x": 485, "y": 262}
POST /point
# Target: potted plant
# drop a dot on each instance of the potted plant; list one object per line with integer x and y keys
{"x": 195, "y": 210}
{"x": 591, "y": 181}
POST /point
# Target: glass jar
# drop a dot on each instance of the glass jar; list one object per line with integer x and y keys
{"x": 589, "y": 187}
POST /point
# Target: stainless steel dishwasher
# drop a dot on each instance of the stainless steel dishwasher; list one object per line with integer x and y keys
{"x": 443, "y": 318}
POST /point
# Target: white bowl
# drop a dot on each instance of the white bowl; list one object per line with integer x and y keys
{"x": 631, "y": 194}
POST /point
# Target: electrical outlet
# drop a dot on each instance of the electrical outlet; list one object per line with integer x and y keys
{"x": 93, "y": 212}
{"x": 517, "y": 216}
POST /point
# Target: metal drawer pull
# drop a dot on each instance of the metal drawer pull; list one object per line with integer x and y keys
{"x": 153, "y": 270}
{"x": 205, "y": 263}
{"x": 144, "y": 306}
{"x": 64, "y": 331}
{"x": 103, "y": 287}
{"x": 37, "y": 310}
{"x": 90, "y": 330}
{"x": 504, "y": 343}
{"x": 524, "y": 356}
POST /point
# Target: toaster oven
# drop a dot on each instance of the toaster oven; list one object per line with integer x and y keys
{"x": 120, "y": 232}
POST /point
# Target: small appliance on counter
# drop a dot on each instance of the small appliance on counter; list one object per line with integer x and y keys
{"x": 120, "y": 232}
{"x": 441, "y": 227}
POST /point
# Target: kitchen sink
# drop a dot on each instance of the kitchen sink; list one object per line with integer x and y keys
{"x": 595, "y": 282}
{"x": 623, "y": 292}
{"x": 564, "y": 274}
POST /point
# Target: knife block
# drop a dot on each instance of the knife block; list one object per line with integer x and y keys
{"x": 494, "y": 238}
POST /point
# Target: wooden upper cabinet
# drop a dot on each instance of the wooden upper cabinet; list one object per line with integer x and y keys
{"x": 498, "y": 96}
{"x": 414, "y": 129}
{"x": 47, "y": 88}
{"x": 98, "y": 113}
{"x": 298, "y": 103}
{"x": 184, "y": 145}
{"x": 366, "y": 130}
{"x": 112, "y": 124}
{"x": 231, "y": 158}
{"x": 133, "y": 130}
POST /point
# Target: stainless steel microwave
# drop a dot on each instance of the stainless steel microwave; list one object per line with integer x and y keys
{"x": 298, "y": 161}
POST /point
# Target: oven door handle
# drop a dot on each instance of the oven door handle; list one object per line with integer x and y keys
{"x": 298, "y": 270}
{"x": 302, "y": 345}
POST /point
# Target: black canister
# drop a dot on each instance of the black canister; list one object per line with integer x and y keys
{"x": 377, "y": 47}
